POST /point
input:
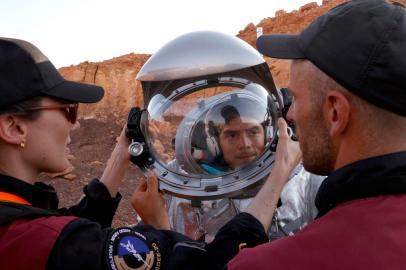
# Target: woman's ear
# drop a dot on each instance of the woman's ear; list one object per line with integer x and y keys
{"x": 12, "y": 129}
{"x": 338, "y": 112}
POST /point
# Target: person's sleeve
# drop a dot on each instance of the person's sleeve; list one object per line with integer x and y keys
{"x": 85, "y": 245}
{"x": 80, "y": 245}
{"x": 243, "y": 231}
{"x": 96, "y": 205}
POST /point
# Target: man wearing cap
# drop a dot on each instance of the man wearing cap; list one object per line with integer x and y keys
{"x": 348, "y": 79}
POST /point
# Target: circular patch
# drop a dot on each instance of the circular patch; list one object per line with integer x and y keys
{"x": 128, "y": 249}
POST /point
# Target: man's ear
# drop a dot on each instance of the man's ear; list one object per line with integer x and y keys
{"x": 338, "y": 112}
{"x": 12, "y": 129}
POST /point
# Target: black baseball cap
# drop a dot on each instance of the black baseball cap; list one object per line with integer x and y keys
{"x": 25, "y": 72}
{"x": 361, "y": 44}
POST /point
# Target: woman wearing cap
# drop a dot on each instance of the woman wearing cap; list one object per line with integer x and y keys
{"x": 38, "y": 110}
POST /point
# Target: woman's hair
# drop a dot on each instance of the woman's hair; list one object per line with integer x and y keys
{"x": 19, "y": 108}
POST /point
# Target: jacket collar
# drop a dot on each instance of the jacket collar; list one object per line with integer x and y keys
{"x": 382, "y": 175}
{"x": 39, "y": 195}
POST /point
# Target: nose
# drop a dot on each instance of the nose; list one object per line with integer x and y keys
{"x": 244, "y": 141}
{"x": 76, "y": 126}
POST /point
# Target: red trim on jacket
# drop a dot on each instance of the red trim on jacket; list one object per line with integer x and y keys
{"x": 27, "y": 243}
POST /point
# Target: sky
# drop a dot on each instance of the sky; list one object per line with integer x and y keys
{"x": 73, "y": 31}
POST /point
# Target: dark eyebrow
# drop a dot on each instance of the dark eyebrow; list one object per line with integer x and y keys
{"x": 254, "y": 128}
{"x": 230, "y": 132}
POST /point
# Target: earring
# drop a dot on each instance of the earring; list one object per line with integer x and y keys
{"x": 22, "y": 144}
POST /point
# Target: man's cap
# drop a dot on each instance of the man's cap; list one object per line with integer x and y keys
{"x": 361, "y": 44}
{"x": 25, "y": 73}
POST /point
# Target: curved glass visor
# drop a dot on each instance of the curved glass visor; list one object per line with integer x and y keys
{"x": 209, "y": 135}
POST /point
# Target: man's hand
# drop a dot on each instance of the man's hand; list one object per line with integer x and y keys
{"x": 287, "y": 157}
{"x": 288, "y": 154}
{"x": 150, "y": 204}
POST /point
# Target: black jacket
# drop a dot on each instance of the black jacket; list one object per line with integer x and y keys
{"x": 90, "y": 243}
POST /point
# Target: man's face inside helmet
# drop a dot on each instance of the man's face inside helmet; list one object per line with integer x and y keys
{"x": 230, "y": 134}
{"x": 241, "y": 138}
{"x": 241, "y": 141}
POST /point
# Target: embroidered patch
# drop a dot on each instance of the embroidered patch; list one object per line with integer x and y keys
{"x": 128, "y": 249}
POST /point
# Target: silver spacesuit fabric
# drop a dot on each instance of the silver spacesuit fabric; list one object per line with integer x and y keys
{"x": 201, "y": 220}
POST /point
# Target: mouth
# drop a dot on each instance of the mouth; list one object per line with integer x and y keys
{"x": 246, "y": 156}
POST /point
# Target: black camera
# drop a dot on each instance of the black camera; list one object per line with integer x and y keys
{"x": 138, "y": 149}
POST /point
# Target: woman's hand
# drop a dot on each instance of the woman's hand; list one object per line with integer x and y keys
{"x": 117, "y": 164}
{"x": 150, "y": 204}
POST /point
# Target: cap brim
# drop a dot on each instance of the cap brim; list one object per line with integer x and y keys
{"x": 280, "y": 46}
{"x": 77, "y": 92}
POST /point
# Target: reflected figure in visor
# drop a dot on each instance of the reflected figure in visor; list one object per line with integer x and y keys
{"x": 235, "y": 131}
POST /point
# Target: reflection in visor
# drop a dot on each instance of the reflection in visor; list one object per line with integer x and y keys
{"x": 211, "y": 136}
{"x": 211, "y": 131}
{"x": 236, "y": 132}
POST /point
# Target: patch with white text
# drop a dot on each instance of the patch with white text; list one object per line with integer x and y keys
{"x": 128, "y": 249}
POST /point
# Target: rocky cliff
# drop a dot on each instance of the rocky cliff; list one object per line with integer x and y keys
{"x": 117, "y": 75}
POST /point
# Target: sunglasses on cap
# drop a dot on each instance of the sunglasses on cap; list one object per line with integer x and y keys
{"x": 70, "y": 110}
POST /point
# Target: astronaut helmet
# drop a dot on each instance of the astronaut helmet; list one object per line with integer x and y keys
{"x": 212, "y": 109}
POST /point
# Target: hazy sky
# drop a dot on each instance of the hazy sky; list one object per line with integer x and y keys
{"x": 73, "y": 31}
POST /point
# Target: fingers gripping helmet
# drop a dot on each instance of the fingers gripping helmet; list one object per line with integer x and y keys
{"x": 184, "y": 85}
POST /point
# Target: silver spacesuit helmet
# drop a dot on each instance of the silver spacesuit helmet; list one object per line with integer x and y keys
{"x": 187, "y": 85}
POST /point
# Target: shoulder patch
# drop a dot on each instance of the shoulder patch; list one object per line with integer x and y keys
{"x": 129, "y": 249}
